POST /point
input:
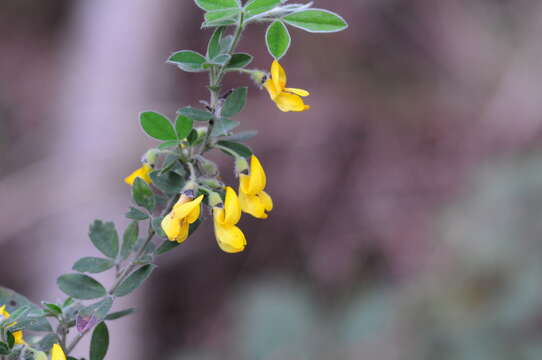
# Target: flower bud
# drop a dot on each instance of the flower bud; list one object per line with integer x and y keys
{"x": 241, "y": 166}
{"x": 259, "y": 77}
{"x": 215, "y": 200}
{"x": 207, "y": 166}
{"x": 150, "y": 157}
{"x": 211, "y": 182}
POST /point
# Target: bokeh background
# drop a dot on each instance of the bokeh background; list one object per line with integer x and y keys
{"x": 408, "y": 199}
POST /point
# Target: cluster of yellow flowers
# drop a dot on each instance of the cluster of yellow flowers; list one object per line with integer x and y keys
{"x": 56, "y": 351}
{"x": 252, "y": 198}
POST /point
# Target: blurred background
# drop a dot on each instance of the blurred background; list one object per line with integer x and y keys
{"x": 408, "y": 199}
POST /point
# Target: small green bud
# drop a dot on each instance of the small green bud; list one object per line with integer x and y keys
{"x": 207, "y": 166}
{"x": 259, "y": 77}
{"x": 241, "y": 166}
{"x": 190, "y": 187}
{"x": 150, "y": 157}
{"x": 215, "y": 200}
{"x": 211, "y": 182}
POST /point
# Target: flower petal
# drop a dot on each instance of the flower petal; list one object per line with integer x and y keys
{"x": 189, "y": 209}
{"x": 232, "y": 208}
{"x": 258, "y": 179}
{"x": 290, "y": 102}
{"x": 230, "y": 238}
{"x": 171, "y": 226}
{"x": 184, "y": 227}
{"x": 271, "y": 89}
{"x": 278, "y": 75}
{"x": 253, "y": 205}
{"x": 143, "y": 172}
{"x": 300, "y": 92}
{"x": 57, "y": 353}
{"x": 267, "y": 201}
{"x": 18, "y": 335}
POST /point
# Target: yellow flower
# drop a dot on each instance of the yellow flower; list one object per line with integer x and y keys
{"x": 143, "y": 172}
{"x": 57, "y": 353}
{"x": 287, "y": 99}
{"x": 229, "y": 237}
{"x": 177, "y": 223}
{"x": 253, "y": 199}
{"x": 18, "y": 335}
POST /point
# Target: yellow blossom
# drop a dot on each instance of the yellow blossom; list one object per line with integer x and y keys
{"x": 229, "y": 237}
{"x": 254, "y": 200}
{"x": 287, "y": 99}
{"x": 185, "y": 212}
{"x": 143, "y": 172}
{"x": 18, "y": 335}
{"x": 57, "y": 353}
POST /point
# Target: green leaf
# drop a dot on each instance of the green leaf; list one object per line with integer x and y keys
{"x": 169, "y": 182}
{"x": 4, "y": 349}
{"x": 241, "y": 136}
{"x": 183, "y": 126}
{"x": 99, "y": 342}
{"x": 235, "y": 102}
{"x": 239, "y": 61}
{"x": 99, "y": 310}
{"x": 221, "y": 59}
{"x": 46, "y": 342}
{"x": 240, "y": 149}
{"x": 104, "y": 237}
{"x": 192, "y": 137}
{"x": 129, "y": 239}
{"x": 157, "y": 126}
{"x": 168, "y": 144}
{"x": 142, "y": 194}
{"x": 80, "y": 286}
{"x": 210, "y": 5}
{"x": 316, "y": 21}
{"x": 170, "y": 245}
{"x": 134, "y": 281}
{"x": 11, "y": 339}
{"x": 52, "y": 308}
{"x": 278, "y": 39}
{"x": 219, "y": 15}
{"x": 119, "y": 314}
{"x": 195, "y": 114}
{"x": 136, "y": 214}
{"x": 224, "y": 126}
{"x": 223, "y": 22}
{"x": 92, "y": 265}
{"x": 255, "y": 7}
{"x": 157, "y": 226}
{"x": 213, "y": 49}
{"x": 188, "y": 60}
